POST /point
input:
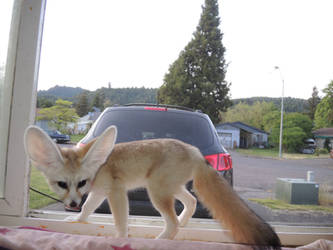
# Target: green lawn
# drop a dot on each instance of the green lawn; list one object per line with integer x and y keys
{"x": 38, "y": 182}
{"x": 281, "y": 205}
{"x": 274, "y": 153}
{"x": 76, "y": 138}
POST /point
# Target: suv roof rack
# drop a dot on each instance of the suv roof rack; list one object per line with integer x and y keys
{"x": 162, "y": 106}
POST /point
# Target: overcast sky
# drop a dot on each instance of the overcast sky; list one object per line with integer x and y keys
{"x": 131, "y": 43}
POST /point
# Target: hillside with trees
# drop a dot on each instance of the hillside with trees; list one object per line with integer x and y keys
{"x": 105, "y": 97}
{"x": 114, "y": 95}
{"x": 290, "y": 104}
{"x": 83, "y": 100}
{"x": 62, "y": 92}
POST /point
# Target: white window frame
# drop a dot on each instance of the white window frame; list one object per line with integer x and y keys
{"x": 24, "y": 55}
{"x": 22, "y": 70}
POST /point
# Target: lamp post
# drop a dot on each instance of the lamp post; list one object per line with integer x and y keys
{"x": 281, "y": 121}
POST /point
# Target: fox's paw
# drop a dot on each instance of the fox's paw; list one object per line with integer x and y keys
{"x": 74, "y": 218}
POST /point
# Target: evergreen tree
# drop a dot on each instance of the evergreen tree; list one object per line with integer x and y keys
{"x": 313, "y": 101}
{"x": 82, "y": 106}
{"x": 197, "y": 78}
{"x": 98, "y": 100}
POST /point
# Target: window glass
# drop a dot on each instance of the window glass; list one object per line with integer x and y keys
{"x": 142, "y": 125}
{"x": 5, "y": 87}
{"x": 113, "y": 45}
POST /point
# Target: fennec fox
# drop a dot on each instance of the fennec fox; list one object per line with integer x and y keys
{"x": 162, "y": 166}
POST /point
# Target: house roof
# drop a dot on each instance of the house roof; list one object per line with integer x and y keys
{"x": 242, "y": 126}
{"x": 91, "y": 116}
{"x": 323, "y": 133}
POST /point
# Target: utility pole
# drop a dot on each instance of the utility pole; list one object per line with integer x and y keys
{"x": 281, "y": 120}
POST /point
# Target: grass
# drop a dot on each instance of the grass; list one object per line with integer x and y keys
{"x": 76, "y": 138}
{"x": 281, "y": 205}
{"x": 274, "y": 153}
{"x": 38, "y": 182}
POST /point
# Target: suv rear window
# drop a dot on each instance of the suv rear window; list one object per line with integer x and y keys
{"x": 145, "y": 124}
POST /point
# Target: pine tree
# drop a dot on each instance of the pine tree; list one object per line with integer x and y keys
{"x": 197, "y": 78}
{"x": 98, "y": 100}
{"x": 313, "y": 101}
{"x": 82, "y": 106}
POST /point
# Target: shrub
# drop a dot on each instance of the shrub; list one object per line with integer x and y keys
{"x": 321, "y": 151}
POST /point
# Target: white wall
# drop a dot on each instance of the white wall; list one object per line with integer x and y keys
{"x": 234, "y": 135}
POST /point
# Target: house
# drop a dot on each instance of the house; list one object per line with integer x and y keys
{"x": 323, "y": 134}
{"x": 241, "y": 135}
{"x": 43, "y": 124}
{"x": 84, "y": 123}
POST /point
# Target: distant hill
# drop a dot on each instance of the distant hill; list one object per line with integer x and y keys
{"x": 290, "y": 104}
{"x": 114, "y": 95}
{"x": 129, "y": 95}
{"x": 148, "y": 95}
{"x": 66, "y": 93}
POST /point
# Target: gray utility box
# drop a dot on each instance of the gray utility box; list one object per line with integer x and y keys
{"x": 296, "y": 191}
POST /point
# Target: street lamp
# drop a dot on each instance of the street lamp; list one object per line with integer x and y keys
{"x": 281, "y": 121}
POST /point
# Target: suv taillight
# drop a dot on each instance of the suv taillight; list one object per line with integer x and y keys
{"x": 155, "y": 108}
{"x": 220, "y": 162}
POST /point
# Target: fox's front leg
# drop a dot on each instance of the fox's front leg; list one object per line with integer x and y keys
{"x": 118, "y": 201}
{"x": 93, "y": 201}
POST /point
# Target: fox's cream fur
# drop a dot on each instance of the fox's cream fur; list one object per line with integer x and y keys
{"x": 162, "y": 166}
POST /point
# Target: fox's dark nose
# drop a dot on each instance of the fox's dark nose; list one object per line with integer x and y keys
{"x": 73, "y": 204}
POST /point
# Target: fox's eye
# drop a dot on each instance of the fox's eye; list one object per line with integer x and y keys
{"x": 62, "y": 184}
{"x": 81, "y": 183}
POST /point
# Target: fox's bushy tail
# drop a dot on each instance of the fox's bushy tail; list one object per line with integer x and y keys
{"x": 231, "y": 211}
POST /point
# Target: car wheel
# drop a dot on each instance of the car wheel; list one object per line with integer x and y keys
{"x": 228, "y": 175}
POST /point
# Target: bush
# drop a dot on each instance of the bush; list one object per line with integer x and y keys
{"x": 296, "y": 128}
{"x": 292, "y": 139}
{"x": 321, "y": 151}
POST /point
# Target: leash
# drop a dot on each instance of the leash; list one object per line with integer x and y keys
{"x": 48, "y": 196}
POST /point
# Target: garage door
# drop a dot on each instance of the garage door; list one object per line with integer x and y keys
{"x": 226, "y": 139}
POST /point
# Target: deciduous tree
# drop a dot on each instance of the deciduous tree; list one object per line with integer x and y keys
{"x": 296, "y": 128}
{"x": 59, "y": 115}
{"x": 253, "y": 115}
{"x": 324, "y": 112}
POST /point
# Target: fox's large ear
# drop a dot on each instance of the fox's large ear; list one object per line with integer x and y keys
{"x": 100, "y": 150}
{"x": 41, "y": 149}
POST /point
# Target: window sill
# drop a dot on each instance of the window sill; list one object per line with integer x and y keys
{"x": 149, "y": 227}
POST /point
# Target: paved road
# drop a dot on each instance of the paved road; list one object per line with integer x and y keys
{"x": 255, "y": 177}
{"x": 259, "y": 174}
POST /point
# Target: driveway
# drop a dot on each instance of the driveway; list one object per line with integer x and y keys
{"x": 260, "y": 174}
{"x": 255, "y": 177}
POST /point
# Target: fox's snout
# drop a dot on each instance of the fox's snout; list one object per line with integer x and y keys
{"x": 73, "y": 204}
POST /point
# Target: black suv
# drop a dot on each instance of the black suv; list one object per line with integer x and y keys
{"x": 148, "y": 121}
